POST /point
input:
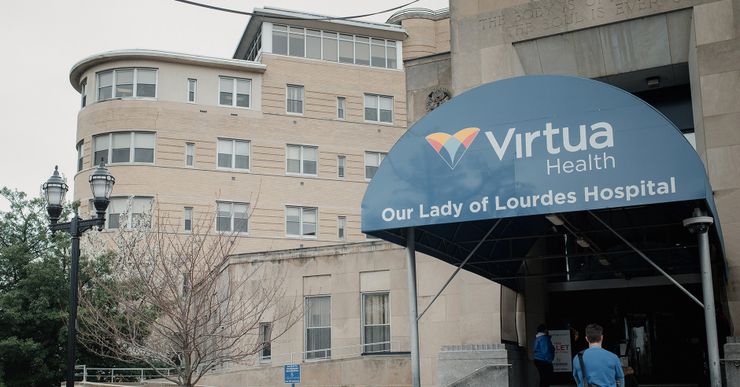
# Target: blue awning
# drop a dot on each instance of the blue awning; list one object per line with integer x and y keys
{"x": 519, "y": 149}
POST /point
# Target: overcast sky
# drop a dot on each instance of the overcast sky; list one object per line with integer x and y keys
{"x": 41, "y": 40}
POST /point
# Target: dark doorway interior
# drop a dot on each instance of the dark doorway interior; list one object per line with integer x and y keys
{"x": 658, "y": 330}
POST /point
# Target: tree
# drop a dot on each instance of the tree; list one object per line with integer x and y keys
{"x": 181, "y": 304}
{"x": 34, "y": 295}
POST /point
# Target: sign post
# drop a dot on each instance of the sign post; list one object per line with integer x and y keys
{"x": 563, "y": 355}
{"x": 292, "y": 374}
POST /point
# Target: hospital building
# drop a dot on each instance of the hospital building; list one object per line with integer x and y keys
{"x": 301, "y": 141}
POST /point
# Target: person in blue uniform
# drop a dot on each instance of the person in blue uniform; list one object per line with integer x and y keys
{"x": 544, "y": 353}
{"x": 602, "y": 367}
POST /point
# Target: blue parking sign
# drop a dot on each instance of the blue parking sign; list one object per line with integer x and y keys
{"x": 292, "y": 373}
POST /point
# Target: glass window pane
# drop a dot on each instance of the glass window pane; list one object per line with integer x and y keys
{"x": 391, "y": 54}
{"x": 124, "y": 83}
{"x": 378, "y": 55}
{"x": 226, "y": 98}
{"x": 240, "y": 217}
{"x": 371, "y": 114}
{"x": 146, "y": 76}
{"x": 297, "y": 42}
{"x": 143, "y": 140}
{"x": 280, "y": 40}
{"x": 241, "y": 162}
{"x": 113, "y": 220}
{"x": 313, "y": 44}
{"x": 346, "y": 51}
{"x": 121, "y": 148}
{"x": 146, "y": 83}
{"x": 242, "y": 148}
{"x": 386, "y": 103}
{"x": 225, "y": 153}
{"x": 362, "y": 52}
{"x": 243, "y": 86}
{"x": 330, "y": 46}
{"x": 143, "y": 155}
{"x": 371, "y": 101}
{"x": 242, "y": 100}
{"x": 105, "y": 85}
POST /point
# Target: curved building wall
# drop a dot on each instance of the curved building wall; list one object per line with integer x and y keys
{"x": 266, "y": 185}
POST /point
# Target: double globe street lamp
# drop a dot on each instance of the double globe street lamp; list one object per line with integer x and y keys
{"x": 101, "y": 184}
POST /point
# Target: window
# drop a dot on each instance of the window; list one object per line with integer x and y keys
{"x": 83, "y": 92}
{"x": 376, "y": 327}
{"x": 124, "y": 147}
{"x": 295, "y": 99}
{"x": 234, "y": 91}
{"x": 233, "y": 154}
{"x": 131, "y": 212}
{"x": 264, "y": 341}
{"x": 296, "y": 42}
{"x": 341, "y": 166}
{"x": 189, "y": 154}
{"x": 126, "y": 83}
{"x": 372, "y": 162}
{"x": 313, "y": 44}
{"x": 80, "y": 153}
{"x": 330, "y": 45}
{"x": 378, "y": 108}
{"x": 333, "y": 47}
{"x": 232, "y": 217}
{"x": 301, "y": 221}
{"x": 188, "y": 218}
{"x": 192, "y": 89}
{"x": 302, "y": 159}
{"x": 342, "y": 228}
{"x": 362, "y": 51}
{"x": 186, "y": 284}
{"x": 280, "y": 40}
{"x": 341, "y": 102}
{"x": 318, "y": 327}
{"x": 346, "y": 49}
{"x": 377, "y": 52}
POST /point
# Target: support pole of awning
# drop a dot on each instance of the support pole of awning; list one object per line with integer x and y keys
{"x": 648, "y": 260}
{"x": 480, "y": 242}
{"x": 413, "y": 322}
{"x": 699, "y": 225}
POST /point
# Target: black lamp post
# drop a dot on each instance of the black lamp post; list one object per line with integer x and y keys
{"x": 101, "y": 184}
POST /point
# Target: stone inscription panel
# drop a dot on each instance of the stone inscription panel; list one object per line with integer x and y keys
{"x": 548, "y": 17}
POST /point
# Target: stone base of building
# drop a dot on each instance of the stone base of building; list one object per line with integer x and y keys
{"x": 499, "y": 365}
{"x": 731, "y": 363}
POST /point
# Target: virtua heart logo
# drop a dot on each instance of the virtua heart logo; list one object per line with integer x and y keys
{"x": 451, "y": 148}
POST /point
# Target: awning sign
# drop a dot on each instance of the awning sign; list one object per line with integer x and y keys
{"x": 532, "y": 145}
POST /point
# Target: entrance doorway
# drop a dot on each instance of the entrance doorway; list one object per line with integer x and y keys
{"x": 656, "y": 330}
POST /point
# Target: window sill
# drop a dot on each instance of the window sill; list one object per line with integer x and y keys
{"x": 126, "y": 99}
{"x": 236, "y": 107}
{"x": 230, "y": 169}
{"x": 301, "y": 237}
{"x": 301, "y": 174}
{"x": 379, "y": 123}
{"x": 294, "y": 114}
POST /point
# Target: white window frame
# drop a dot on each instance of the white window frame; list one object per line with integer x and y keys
{"x": 301, "y": 159}
{"x": 268, "y": 340}
{"x": 130, "y": 213}
{"x": 342, "y": 219}
{"x": 131, "y": 148}
{"x": 381, "y": 157}
{"x": 80, "y": 155}
{"x": 231, "y": 226}
{"x": 135, "y": 81}
{"x": 300, "y": 234}
{"x": 341, "y": 166}
{"x": 377, "y": 109}
{"x": 83, "y": 93}
{"x": 387, "y": 45}
{"x": 305, "y": 329}
{"x": 342, "y": 106}
{"x": 194, "y": 82}
{"x": 187, "y": 211}
{"x": 233, "y": 155}
{"x": 362, "y": 319}
{"x": 303, "y": 99}
{"x": 188, "y": 147}
{"x": 234, "y": 91}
